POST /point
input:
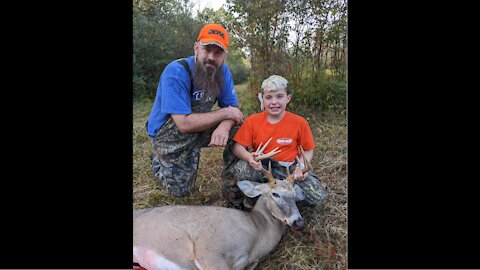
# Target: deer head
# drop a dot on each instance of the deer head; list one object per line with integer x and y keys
{"x": 279, "y": 199}
{"x": 281, "y": 195}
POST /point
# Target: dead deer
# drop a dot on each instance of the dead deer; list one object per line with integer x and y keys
{"x": 217, "y": 238}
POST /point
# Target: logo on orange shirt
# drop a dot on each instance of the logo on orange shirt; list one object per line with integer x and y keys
{"x": 284, "y": 141}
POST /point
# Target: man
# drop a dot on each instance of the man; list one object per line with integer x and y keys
{"x": 182, "y": 120}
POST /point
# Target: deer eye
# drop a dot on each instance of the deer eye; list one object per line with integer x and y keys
{"x": 275, "y": 195}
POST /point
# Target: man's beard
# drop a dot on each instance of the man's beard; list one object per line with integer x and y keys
{"x": 208, "y": 78}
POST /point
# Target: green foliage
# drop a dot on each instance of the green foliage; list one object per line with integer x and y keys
{"x": 250, "y": 105}
{"x": 293, "y": 38}
{"x": 139, "y": 84}
{"x": 162, "y": 32}
{"x": 326, "y": 93}
{"x": 238, "y": 68}
{"x": 320, "y": 92}
{"x": 236, "y": 59}
{"x": 260, "y": 31}
{"x": 262, "y": 27}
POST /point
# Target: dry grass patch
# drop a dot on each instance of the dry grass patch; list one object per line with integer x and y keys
{"x": 323, "y": 242}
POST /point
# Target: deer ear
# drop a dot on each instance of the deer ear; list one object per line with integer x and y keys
{"x": 299, "y": 196}
{"x": 248, "y": 189}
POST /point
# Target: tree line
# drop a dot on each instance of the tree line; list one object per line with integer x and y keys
{"x": 303, "y": 40}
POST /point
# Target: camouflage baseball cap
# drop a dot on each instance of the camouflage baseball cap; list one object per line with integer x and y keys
{"x": 273, "y": 83}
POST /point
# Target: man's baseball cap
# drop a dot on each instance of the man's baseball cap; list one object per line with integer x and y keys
{"x": 273, "y": 83}
{"x": 213, "y": 34}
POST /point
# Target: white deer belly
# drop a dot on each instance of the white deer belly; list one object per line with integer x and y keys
{"x": 152, "y": 261}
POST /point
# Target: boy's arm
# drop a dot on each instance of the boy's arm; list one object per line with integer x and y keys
{"x": 308, "y": 155}
{"x": 242, "y": 153}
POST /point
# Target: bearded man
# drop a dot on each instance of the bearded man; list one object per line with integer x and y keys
{"x": 182, "y": 120}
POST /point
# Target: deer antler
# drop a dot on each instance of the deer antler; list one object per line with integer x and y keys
{"x": 261, "y": 155}
{"x": 289, "y": 176}
{"x": 269, "y": 175}
{"x": 308, "y": 166}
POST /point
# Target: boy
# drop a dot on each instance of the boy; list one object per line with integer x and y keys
{"x": 288, "y": 131}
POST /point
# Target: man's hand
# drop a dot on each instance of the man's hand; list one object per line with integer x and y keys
{"x": 221, "y": 133}
{"x": 233, "y": 113}
{"x": 219, "y": 136}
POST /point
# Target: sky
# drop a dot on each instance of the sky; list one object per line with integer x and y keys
{"x": 201, "y": 4}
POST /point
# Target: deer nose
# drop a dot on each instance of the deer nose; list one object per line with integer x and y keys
{"x": 298, "y": 224}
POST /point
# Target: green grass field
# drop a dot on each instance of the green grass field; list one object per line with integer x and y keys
{"x": 323, "y": 242}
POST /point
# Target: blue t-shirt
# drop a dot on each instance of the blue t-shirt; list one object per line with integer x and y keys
{"x": 173, "y": 94}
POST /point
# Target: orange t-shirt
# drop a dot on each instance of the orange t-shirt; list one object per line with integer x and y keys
{"x": 290, "y": 132}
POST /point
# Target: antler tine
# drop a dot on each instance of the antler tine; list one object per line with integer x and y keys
{"x": 258, "y": 148}
{"x": 269, "y": 154}
{"x": 308, "y": 166}
{"x": 289, "y": 176}
{"x": 269, "y": 175}
{"x": 265, "y": 146}
{"x": 260, "y": 154}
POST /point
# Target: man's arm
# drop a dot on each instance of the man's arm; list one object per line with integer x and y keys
{"x": 197, "y": 122}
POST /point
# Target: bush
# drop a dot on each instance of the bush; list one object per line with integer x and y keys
{"x": 236, "y": 65}
{"x": 239, "y": 72}
{"x": 325, "y": 93}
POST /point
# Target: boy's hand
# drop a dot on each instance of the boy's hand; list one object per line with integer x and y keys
{"x": 298, "y": 175}
{"x": 256, "y": 165}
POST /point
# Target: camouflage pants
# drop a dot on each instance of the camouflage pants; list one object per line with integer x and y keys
{"x": 176, "y": 156}
{"x": 315, "y": 191}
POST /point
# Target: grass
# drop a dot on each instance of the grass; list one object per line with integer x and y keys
{"x": 321, "y": 245}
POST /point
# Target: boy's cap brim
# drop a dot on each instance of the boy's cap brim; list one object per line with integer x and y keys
{"x": 274, "y": 82}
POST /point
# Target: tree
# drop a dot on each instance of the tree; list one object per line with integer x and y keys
{"x": 162, "y": 32}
